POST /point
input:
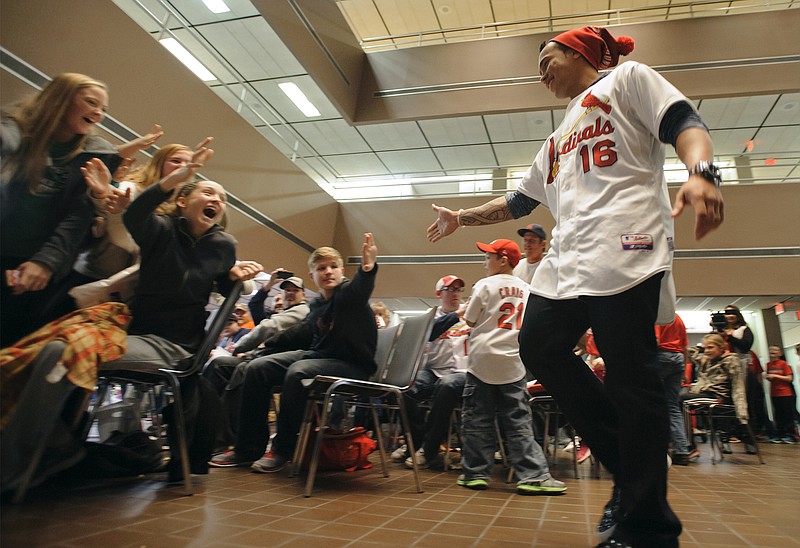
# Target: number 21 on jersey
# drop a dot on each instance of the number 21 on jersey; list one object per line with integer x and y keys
{"x": 510, "y": 315}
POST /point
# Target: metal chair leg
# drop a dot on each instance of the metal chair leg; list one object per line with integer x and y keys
{"x": 410, "y": 442}
{"x": 379, "y": 435}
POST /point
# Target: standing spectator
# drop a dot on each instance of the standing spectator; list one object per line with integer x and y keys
{"x": 780, "y": 376}
{"x": 495, "y": 384}
{"x": 601, "y": 174}
{"x": 45, "y": 213}
{"x": 672, "y": 357}
{"x": 534, "y": 241}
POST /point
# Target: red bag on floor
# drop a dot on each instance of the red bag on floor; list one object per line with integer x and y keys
{"x": 345, "y": 451}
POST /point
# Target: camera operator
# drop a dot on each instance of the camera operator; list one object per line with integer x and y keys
{"x": 739, "y": 338}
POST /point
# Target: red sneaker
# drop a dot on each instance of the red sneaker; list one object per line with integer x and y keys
{"x": 583, "y": 453}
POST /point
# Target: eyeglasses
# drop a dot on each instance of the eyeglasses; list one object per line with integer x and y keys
{"x": 453, "y": 289}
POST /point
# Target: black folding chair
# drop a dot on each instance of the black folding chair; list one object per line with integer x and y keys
{"x": 144, "y": 374}
{"x": 393, "y": 377}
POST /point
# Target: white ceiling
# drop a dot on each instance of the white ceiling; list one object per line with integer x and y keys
{"x": 249, "y": 61}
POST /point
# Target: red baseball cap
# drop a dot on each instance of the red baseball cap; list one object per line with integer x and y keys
{"x": 504, "y": 248}
{"x": 447, "y": 281}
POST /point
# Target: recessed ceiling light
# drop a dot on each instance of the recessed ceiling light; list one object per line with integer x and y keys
{"x": 216, "y": 6}
{"x": 299, "y": 99}
{"x": 191, "y": 62}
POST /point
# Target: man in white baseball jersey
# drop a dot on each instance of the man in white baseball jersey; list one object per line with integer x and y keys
{"x": 601, "y": 175}
{"x": 441, "y": 380}
{"x": 534, "y": 240}
{"x": 495, "y": 384}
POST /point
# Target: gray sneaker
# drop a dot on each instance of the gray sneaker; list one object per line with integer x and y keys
{"x": 400, "y": 454}
{"x": 228, "y": 459}
{"x": 550, "y": 486}
{"x": 270, "y": 462}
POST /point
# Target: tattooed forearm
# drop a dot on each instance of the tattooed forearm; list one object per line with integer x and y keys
{"x": 496, "y": 211}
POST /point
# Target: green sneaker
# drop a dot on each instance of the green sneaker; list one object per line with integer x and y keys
{"x": 550, "y": 486}
{"x": 478, "y": 484}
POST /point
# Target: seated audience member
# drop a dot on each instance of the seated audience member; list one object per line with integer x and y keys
{"x": 221, "y": 370}
{"x": 260, "y": 306}
{"x": 672, "y": 356}
{"x": 780, "y": 375}
{"x": 534, "y": 241}
{"x": 383, "y": 316}
{"x": 183, "y": 257}
{"x": 720, "y": 376}
{"x": 230, "y": 335}
{"x": 441, "y": 380}
{"x": 495, "y": 385}
{"x": 343, "y": 345}
{"x": 243, "y": 316}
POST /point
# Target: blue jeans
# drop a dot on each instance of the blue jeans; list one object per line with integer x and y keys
{"x": 509, "y": 403}
{"x": 671, "y": 369}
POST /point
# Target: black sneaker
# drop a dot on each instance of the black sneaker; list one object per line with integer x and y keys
{"x": 680, "y": 459}
{"x": 609, "y": 519}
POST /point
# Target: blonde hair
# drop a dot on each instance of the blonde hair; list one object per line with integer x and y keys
{"x": 715, "y": 339}
{"x": 150, "y": 173}
{"x": 379, "y": 308}
{"x": 39, "y": 118}
{"x": 322, "y": 253}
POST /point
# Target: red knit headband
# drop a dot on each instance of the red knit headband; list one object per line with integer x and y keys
{"x": 596, "y": 45}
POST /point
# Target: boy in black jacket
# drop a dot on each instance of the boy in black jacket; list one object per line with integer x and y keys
{"x": 344, "y": 336}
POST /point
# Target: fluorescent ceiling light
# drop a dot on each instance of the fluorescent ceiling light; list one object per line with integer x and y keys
{"x": 216, "y": 6}
{"x": 299, "y": 99}
{"x": 183, "y": 55}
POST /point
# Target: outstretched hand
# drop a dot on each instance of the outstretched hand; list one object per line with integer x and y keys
{"x": 98, "y": 178}
{"x": 446, "y": 223}
{"x": 369, "y": 253}
{"x": 186, "y": 172}
{"x": 130, "y": 149}
{"x": 706, "y": 199}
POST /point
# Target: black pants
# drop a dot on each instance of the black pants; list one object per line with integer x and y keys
{"x": 784, "y": 415}
{"x": 623, "y": 420}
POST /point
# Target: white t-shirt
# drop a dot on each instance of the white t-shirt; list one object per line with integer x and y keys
{"x": 448, "y": 353}
{"x": 601, "y": 175}
{"x": 496, "y": 307}
{"x": 525, "y": 270}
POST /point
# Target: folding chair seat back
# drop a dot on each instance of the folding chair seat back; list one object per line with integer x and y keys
{"x": 405, "y": 357}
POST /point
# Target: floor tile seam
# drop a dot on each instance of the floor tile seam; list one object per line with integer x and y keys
{"x": 486, "y": 528}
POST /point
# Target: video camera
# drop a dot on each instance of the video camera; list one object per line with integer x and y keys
{"x": 718, "y": 321}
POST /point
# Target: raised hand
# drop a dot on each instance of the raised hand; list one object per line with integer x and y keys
{"x": 98, "y": 178}
{"x": 446, "y": 223}
{"x": 122, "y": 169}
{"x": 369, "y": 252}
{"x": 118, "y": 200}
{"x": 130, "y": 149}
{"x": 184, "y": 173}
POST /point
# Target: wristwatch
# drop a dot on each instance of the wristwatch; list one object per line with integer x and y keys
{"x": 708, "y": 171}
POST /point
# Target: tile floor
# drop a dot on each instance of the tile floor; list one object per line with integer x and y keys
{"x": 735, "y": 503}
